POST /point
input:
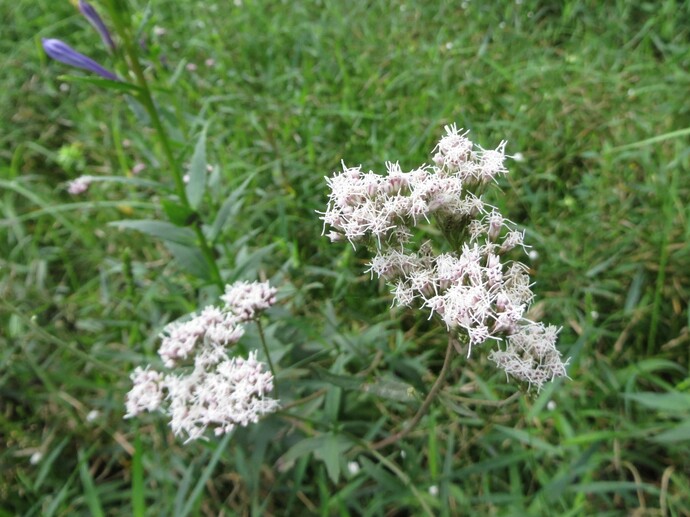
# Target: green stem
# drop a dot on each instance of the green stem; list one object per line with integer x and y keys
{"x": 268, "y": 356}
{"x": 425, "y": 405}
{"x": 146, "y": 100}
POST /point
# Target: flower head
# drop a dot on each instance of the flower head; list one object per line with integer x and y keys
{"x": 247, "y": 299}
{"x": 208, "y": 388}
{"x": 472, "y": 288}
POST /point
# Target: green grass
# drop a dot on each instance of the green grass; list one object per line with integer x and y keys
{"x": 578, "y": 88}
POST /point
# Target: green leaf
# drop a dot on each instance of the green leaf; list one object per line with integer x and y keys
{"x": 331, "y": 452}
{"x": 525, "y": 438}
{"x": 390, "y": 389}
{"x": 159, "y": 229}
{"x": 347, "y": 382}
{"x": 190, "y": 259}
{"x": 671, "y": 401}
{"x": 230, "y": 208}
{"x": 197, "y": 172}
{"x": 205, "y": 475}
{"x": 103, "y": 83}
{"x": 90, "y": 492}
{"x": 328, "y": 448}
{"x": 384, "y": 388}
{"x": 179, "y": 215}
{"x": 679, "y": 433}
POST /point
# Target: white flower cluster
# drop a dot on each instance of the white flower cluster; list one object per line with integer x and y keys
{"x": 215, "y": 390}
{"x": 79, "y": 185}
{"x": 470, "y": 288}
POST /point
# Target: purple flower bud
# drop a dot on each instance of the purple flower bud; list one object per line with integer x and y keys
{"x": 92, "y": 16}
{"x": 62, "y": 52}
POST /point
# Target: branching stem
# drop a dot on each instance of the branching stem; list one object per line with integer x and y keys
{"x": 427, "y": 401}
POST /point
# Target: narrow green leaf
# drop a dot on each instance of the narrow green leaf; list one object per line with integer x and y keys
{"x": 47, "y": 463}
{"x": 598, "y": 487}
{"x": 197, "y": 172}
{"x": 229, "y": 209}
{"x": 527, "y": 439}
{"x": 206, "y": 474}
{"x": 90, "y": 492}
{"x": 347, "y": 382}
{"x": 679, "y": 433}
{"x": 671, "y": 401}
{"x": 120, "y": 86}
{"x": 159, "y": 229}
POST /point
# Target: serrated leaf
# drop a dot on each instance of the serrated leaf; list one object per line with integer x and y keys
{"x": 159, "y": 229}
{"x": 190, "y": 259}
{"x": 197, "y": 172}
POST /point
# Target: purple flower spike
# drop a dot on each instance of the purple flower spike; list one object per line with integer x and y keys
{"x": 62, "y": 52}
{"x": 92, "y": 16}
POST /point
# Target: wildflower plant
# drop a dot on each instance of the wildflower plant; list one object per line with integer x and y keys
{"x": 464, "y": 277}
{"x": 435, "y": 241}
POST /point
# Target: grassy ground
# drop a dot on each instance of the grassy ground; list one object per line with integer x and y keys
{"x": 578, "y": 88}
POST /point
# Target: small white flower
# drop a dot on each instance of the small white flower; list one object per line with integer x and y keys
{"x": 138, "y": 168}
{"x": 531, "y": 355}
{"x": 550, "y": 405}
{"x": 433, "y": 490}
{"x": 92, "y": 415}
{"x": 79, "y": 185}
{"x": 247, "y": 299}
{"x": 36, "y": 458}
{"x": 353, "y": 468}
{"x": 147, "y": 392}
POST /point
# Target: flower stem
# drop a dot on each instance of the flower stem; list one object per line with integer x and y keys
{"x": 427, "y": 401}
{"x": 146, "y": 100}
{"x": 268, "y": 356}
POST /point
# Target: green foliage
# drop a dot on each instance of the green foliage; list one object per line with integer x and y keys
{"x": 591, "y": 94}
